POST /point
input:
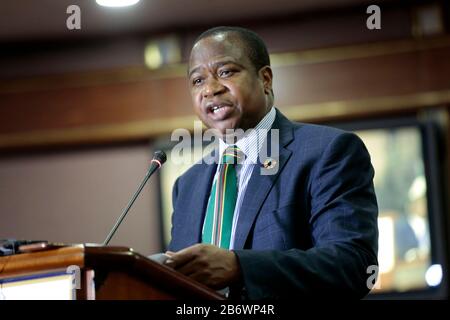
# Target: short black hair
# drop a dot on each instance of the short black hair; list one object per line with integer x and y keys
{"x": 254, "y": 46}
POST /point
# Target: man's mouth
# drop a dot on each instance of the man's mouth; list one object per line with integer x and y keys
{"x": 216, "y": 109}
{"x": 219, "y": 111}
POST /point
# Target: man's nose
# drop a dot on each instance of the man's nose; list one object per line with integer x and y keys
{"x": 213, "y": 87}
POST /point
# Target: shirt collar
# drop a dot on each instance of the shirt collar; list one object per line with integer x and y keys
{"x": 250, "y": 144}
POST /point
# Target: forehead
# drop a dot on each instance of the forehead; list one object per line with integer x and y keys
{"x": 216, "y": 48}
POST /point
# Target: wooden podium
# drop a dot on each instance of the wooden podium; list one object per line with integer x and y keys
{"x": 105, "y": 273}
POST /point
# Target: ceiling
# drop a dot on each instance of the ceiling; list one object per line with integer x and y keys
{"x": 23, "y": 20}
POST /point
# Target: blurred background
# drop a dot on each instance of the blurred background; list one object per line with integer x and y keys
{"x": 82, "y": 110}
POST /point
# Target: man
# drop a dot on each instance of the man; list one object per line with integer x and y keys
{"x": 309, "y": 229}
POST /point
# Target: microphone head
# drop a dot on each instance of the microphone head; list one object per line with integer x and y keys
{"x": 160, "y": 156}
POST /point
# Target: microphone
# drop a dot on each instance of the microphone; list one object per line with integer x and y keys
{"x": 159, "y": 157}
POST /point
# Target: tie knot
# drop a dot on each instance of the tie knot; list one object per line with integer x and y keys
{"x": 232, "y": 155}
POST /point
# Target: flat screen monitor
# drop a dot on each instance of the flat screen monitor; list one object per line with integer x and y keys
{"x": 408, "y": 158}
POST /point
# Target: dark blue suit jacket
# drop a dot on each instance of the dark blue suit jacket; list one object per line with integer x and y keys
{"x": 308, "y": 230}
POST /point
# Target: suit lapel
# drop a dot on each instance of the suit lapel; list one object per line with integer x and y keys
{"x": 202, "y": 190}
{"x": 259, "y": 185}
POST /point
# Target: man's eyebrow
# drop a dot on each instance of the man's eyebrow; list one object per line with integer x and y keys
{"x": 222, "y": 63}
{"x": 192, "y": 71}
{"x": 216, "y": 65}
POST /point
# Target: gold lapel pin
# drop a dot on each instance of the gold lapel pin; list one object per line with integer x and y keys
{"x": 269, "y": 163}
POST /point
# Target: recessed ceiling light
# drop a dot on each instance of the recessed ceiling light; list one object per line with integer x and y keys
{"x": 116, "y": 3}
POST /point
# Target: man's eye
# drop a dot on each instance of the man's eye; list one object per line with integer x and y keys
{"x": 225, "y": 73}
{"x": 196, "y": 81}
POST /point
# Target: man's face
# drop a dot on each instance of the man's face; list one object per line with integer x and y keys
{"x": 227, "y": 92}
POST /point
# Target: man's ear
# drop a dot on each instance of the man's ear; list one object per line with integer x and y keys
{"x": 265, "y": 73}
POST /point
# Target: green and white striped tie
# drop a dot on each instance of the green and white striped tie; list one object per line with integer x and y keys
{"x": 222, "y": 200}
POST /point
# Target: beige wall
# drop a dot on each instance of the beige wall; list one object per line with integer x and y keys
{"x": 76, "y": 196}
